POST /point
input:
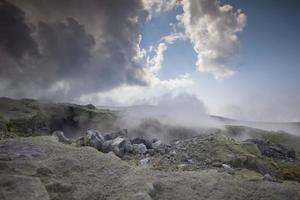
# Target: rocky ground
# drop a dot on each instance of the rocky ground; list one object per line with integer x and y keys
{"x": 102, "y": 161}
{"x": 42, "y": 168}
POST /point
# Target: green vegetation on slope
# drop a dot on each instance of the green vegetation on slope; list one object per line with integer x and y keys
{"x": 28, "y": 117}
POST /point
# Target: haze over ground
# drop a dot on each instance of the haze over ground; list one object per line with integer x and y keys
{"x": 239, "y": 58}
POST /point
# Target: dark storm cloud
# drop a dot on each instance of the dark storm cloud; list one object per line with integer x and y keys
{"x": 63, "y": 49}
{"x": 15, "y": 36}
{"x": 68, "y": 44}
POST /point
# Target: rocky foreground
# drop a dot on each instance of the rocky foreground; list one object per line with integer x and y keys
{"x": 56, "y": 151}
{"x": 113, "y": 166}
{"x": 216, "y": 150}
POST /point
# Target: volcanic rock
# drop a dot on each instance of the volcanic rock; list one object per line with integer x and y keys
{"x": 94, "y": 139}
{"x": 139, "y": 148}
{"x": 115, "y": 134}
{"x": 41, "y": 168}
{"x": 61, "y": 137}
{"x": 276, "y": 151}
{"x": 146, "y": 142}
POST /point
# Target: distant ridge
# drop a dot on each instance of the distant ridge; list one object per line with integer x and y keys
{"x": 290, "y": 127}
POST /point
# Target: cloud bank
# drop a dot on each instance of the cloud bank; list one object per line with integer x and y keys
{"x": 68, "y": 48}
{"x": 212, "y": 29}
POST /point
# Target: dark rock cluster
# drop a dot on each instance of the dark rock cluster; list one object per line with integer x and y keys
{"x": 117, "y": 142}
{"x": 202, "y": 152}
{"x": 270, "y": 149}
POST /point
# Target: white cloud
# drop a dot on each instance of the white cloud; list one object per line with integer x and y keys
{"x": 212, "y": 29}
{"x": 130, "y": 95}
{"x": 140, "y": 52}
{"x": 154, "y": 64}
{"x": 174, "y": 36}
{"x": 156, "y": 6}
{"x": 135, "y": 94}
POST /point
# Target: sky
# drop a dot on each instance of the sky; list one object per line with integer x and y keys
{"x": 239, "y": 58}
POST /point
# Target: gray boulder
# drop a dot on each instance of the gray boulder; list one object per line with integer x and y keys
{"x": 160, "y": 147}
{"x": 115, "y": 134}
{"x": 106, "y": 146}
{"x": 61, "y": 137}
{"x": 120, "y": 146}
{"x": 139, "y": 148}
{"x": 128, "y": 146}
{"x": 94, "y": 134}
{"x": 94, "y": 139}
{"x": 228, "y": 169}
{"x": 157, "y": 144}
{"x": 146, "y": 142}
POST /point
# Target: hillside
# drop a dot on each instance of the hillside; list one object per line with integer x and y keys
{"x": 27, "y": 117}
{"x": 290, "y": 127}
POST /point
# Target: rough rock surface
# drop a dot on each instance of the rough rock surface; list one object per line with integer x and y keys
{"x": 215, "y": 150}
{"x": 62, "y": 171}
{"x": 273, "y": 150}
{"x": 42, "y": 168}
{"x": 121, "y": 145}
{"x": 201, "y": 152}
{"x": 94, "y": 139}
{"x": 139, "y": 148}
{"x": 22, "y": 188}
{"x": 115, "y": 134}
{"x": 139, "y": 140}
{"x": 61, "y": 137}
